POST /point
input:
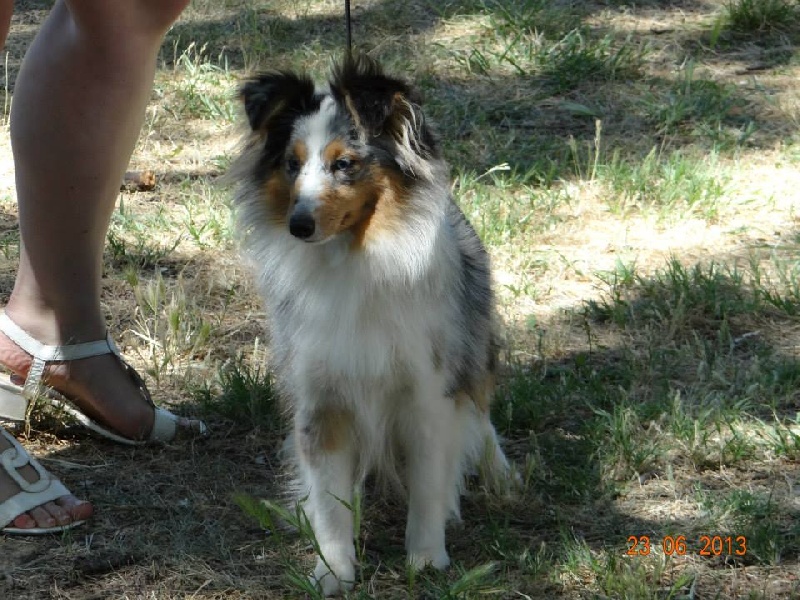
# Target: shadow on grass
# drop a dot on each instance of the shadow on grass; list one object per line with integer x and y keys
{"x": 685, "y": 395}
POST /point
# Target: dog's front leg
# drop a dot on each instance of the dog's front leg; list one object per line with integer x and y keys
{"x": 432, "y": 440}
{"x": 327, "y": 457}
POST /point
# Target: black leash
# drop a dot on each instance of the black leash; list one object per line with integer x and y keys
{"x": 349, "y": 27}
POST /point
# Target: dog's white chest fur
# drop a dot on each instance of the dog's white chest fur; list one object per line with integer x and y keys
{"x": 346, "y": 337}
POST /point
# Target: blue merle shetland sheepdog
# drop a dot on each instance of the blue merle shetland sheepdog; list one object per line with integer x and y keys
{"x": 379, "y": 298}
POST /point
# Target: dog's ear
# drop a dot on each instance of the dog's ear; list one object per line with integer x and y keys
{"x": 269, "y": 96}
{"x": 382, "y": 105}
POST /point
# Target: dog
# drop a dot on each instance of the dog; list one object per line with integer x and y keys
{"x": 379, "y": 300}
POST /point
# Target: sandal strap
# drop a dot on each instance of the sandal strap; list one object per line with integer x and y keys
{"x": 50, "y": 353}
{"x": 44, "y": 353}
{"x": 165, "y": 424}
{"x": 14, "y": 458}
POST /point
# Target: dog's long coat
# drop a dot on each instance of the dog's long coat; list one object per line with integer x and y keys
{"x": 379, "y": 300}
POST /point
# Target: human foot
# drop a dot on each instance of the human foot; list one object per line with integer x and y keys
{"x": 30, "y": 500}
{"x": 100, "y": 386}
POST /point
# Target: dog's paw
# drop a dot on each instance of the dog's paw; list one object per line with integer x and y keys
{"x": 420, "y": 558}
{"x": 334, "y": 576}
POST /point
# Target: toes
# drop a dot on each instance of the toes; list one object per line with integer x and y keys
{"x": 59, "y": 515}
{"x": 196, "y": 426}
{"x": 23, "y": 521}
{"x": 42, "y": 517}
{"x": 187, "y": 427}
{"x": 78, "y": 510}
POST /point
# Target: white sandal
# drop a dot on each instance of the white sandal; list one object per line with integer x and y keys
{"x": 44, "y": 489}
{"x": 15, "y": 400}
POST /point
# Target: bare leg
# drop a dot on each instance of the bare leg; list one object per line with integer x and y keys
{"x": 79, "y": 103}
{"x": 6, "y": 10}
{"x": 78, "y": 107}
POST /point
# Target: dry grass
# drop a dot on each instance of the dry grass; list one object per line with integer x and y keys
{"x": 667, "y": 407}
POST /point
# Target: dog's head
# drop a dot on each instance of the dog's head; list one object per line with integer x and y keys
{"x": 341, "y": 158}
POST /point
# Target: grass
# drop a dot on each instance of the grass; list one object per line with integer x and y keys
{"x": 677, "y": 186}
{"x": 632, "y": 168}
{"x": 702, "y": 108}
{"x": 759, "y": 16}
{"x": 242, "y": 393}
{"x": 201, "y": 87}
{"x": 531, "y": 39}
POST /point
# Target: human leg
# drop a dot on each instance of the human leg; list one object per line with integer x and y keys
{"x": 65, "y": 509}
{"x": 79, "y": 103}
{"x": 6, "y": 11}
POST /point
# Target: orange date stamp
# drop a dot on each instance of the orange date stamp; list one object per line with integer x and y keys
{"x": 680, "y": 545}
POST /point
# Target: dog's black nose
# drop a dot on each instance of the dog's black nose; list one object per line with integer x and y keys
{"x": 301, "y": 225}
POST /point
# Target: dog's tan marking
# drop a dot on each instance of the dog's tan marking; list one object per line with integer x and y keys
{"x": 480, "y": 394}
{"x": 351, "y": 206}
{"x": 335, "y": 149}
{"x": 300, "y": 151}
{"x": 277, "y": 196}
{"x": 462, "y": 399}
{"x": 326, "y": 430}
{"x": 344, "y": 206}
{"x": 390, "y": 201}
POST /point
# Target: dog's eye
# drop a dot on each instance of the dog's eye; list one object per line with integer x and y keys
{"x": 343, "y": 164}
{"x": 292, "y": 166}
